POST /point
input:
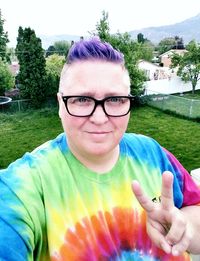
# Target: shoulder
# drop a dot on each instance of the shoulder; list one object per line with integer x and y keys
{"x": 37, "y": 159}
{"x": 143, "y": 148}
{"x": 139, "y": 141}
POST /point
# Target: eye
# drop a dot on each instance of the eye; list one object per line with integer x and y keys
{"x": 115, "y": 100}
{"x": 80, "y": 100}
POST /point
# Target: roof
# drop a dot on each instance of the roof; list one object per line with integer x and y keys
{"x": 178, "y": 51}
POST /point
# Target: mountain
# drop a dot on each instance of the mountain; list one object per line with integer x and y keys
{"x": 50, "y": 40}
{"x": 188, "y": 29}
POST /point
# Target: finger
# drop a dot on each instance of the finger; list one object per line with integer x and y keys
{"x": 182, "y": 245}
{"x": 179, "y": 235}
{"x": 178, "y": 227}
{"x": 157, "y": 236}
{"x": 167, "y": 200}
{"x": 144, "y": 201}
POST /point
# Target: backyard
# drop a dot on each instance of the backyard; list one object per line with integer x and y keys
{"x": 22, "y": 132}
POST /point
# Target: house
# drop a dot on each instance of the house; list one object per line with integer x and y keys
{"x": 165, "y": 58}
{"x": 153, "y": 71}
{"x": 14, "y": 68}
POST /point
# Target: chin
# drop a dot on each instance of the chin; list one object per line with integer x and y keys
{"x": 99, "y": 150}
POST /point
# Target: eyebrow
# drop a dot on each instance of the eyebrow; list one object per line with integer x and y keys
{"x": 92, "y": 94}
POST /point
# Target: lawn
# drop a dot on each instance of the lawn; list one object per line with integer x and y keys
{"x": 195, "y": 96}
{"x": 22, "y": 132}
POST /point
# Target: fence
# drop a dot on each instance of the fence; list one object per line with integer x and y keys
{"x": 23, "y": 105}
{"x": 15, "y": 106}
{"x": 189, "y": 108}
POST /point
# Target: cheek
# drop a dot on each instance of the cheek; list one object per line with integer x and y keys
{"x": 72, "y": 124}
{"x": 121, "y": 123}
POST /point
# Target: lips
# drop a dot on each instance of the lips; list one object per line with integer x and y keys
{"x": 98, "y": 132}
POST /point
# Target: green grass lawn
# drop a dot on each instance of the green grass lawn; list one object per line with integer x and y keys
{"x": 195, "y": 96}
{"x": 23, "y": 132}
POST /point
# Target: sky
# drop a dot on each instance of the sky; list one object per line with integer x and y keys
{"x": 78, "y": 17}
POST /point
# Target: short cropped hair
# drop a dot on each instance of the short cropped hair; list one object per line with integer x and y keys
{"x": 94, "y": 49}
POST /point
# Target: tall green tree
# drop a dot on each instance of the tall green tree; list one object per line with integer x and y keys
{"x": 140, "y": 38}
{"x": 3, "y": 40}
{"x": 102, "y": 28}
{"x": 188, "y": 64}
{"x": 32, "y": 74}
{"x": 132, "y": 52}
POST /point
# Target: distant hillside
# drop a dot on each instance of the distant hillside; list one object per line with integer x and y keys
{"x": 50, "y": 40}
{"x": 188, "y": 29}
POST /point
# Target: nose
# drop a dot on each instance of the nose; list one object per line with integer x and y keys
{"x": 99, "y": 116}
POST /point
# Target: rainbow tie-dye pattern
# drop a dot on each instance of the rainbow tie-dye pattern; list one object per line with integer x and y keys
{"x": 63, "y": 211}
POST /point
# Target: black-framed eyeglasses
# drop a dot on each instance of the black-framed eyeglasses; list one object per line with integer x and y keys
{"x": 84, "y": 106}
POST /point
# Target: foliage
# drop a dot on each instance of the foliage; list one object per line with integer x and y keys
{"x": 132, "y": 52}
{"x": 188, "y": 64}
{"x": 178, "y": 43}
{"x": 54, "y": 65}
{"x": 11, "y": 54}
{"x": 32, "y": 74}
{"x": 147, "y": 50}
{"x": 50, "y": 51}
{"x": 6, "y": 79}
{"x": 165, "y": 45}
{"x": 169, "y": 43}
{"x": 140, "y": 38}
{"x": 59, "y": 47}
{"x": 102, "y": 27}
{"x": 3, "y": 40}
{"x": 147, "y": 47}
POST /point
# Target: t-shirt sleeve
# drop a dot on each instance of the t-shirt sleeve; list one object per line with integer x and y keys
{"x": 190, "y": 190}
{"x": 12, "y": 246}
{"x": 21, "y": 210}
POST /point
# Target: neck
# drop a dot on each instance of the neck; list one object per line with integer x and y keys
{"x": 99, "y": 163}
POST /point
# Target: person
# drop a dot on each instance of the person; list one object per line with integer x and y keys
{"x": 95, "y": 192}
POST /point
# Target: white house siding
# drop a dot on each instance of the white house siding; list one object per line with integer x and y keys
{"x": 168, "y": 86}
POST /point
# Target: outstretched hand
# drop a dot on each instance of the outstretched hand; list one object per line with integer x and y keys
{"x": 166, "y": 225}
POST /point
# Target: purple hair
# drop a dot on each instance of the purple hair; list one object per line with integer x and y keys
{"x": 94, "y": 49}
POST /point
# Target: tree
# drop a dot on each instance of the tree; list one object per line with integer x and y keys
{"x": 3, "y": 40}
{"x": 169, "y": 43}
{"x": 179, "y": 45}
{"x": 140, "y": 38}
{"x": 132, "y": 52}
{"x": 50, "y": 51}
{"x": 32, "y": 73}
{"x": 59, "y": 47}
{"x": 146, "y": 46}
{"x": 54, "y": 65}
{"x": 6, "y": 78}
{"x": 188, "y": 64}
{"x": 166, "y": 44}
{"x": 102, "y": 27}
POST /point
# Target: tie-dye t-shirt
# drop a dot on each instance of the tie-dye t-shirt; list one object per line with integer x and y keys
{"x": 54, "y": 208}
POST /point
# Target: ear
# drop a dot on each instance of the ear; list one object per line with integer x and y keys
{"x": 59, "y": 98}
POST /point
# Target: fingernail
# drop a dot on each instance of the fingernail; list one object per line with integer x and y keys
{"x": 175, "y": 252}
{"x": 166, "y": 248}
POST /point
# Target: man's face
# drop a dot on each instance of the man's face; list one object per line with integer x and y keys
{"x": 98, "y": 134}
